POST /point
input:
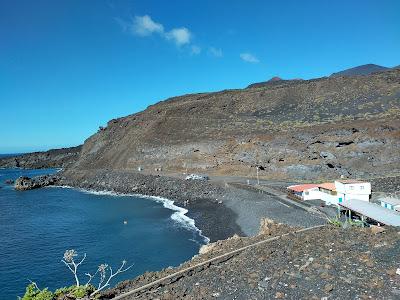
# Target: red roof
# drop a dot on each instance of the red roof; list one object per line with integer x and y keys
{"x": 302, "y": 187}
{"x": 328, "y": 186}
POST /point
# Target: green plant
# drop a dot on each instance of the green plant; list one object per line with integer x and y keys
{"x": 347, "y": 223}
{"x": 335, "y": 222}
{"x": 34, "y": 293}
{"x": 75, "y": 291}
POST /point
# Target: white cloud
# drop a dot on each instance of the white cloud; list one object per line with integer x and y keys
{"x": 195, "y": 50}
{"x": 145, "y": 26}
{"x": 180, "y": 36}
{"x": 217, "y": 52}
{"x": 248, "y": 57}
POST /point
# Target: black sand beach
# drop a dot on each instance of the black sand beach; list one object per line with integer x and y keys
{"x": 219, "y": 210}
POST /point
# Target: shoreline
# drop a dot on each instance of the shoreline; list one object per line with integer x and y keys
{"x": 197, "y": 201}
{"x": 214, "y": 208}
{"x": 179, "y": 214}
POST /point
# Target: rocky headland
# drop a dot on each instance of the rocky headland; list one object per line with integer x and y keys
{"x": 55, "y": 158}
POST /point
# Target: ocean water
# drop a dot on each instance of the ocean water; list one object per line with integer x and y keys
{"x": 37, "y": 226}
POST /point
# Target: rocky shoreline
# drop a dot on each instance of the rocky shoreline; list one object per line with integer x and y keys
{"x": 203, "y": 200}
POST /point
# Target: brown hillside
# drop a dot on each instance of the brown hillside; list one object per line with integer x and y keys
{"x": 309, "y": 128}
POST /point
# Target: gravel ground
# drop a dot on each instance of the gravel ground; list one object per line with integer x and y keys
{"x": 251, "y": 207}
{"x": 326, "y": 263}
{"x": 386, "y": 184}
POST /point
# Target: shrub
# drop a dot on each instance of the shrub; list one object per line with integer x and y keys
{"x": 77, "y": 291}
{"x": 34, "y": 293}
{"x": 74, "y": 291}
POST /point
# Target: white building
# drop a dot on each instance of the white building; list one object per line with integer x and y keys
{"x": 332, "y": 192}
{"x": 308, "y": 191}
{"x": 353, "y": 189}
{"x": 390, "y": 203}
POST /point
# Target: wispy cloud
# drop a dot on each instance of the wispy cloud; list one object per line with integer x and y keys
{"x": 180, "y": 36}
{"x": 216, "y": 52}
{"x": 250, "y": 58}
{"x": 195, "y": 50}
{"x": 145, "y": 26}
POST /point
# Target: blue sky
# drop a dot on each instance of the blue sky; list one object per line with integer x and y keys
{"x": 67, "y": 67}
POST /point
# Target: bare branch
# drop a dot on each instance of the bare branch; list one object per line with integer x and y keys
{"x": 34, "y": 284}
{"x": 103, "y": 269}
{"x": 67, "y": 264}
{"x": 84, "y": 257}
{"x": 91, "y": 277}
{"x": 104, "y": 281}
{"x": 69, "y": 261}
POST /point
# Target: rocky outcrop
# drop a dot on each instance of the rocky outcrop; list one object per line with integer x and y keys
{"x": 24, "y": 183}
{"x": 311, "y": 265}
{"x": 55, "y": 158}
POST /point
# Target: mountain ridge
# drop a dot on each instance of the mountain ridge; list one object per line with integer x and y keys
{"x": 293, "y": 128}
{"x": 360, "y": 70}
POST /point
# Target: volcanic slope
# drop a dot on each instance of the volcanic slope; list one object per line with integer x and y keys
{"x": 299, "y": 129}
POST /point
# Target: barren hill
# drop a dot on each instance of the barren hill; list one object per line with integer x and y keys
{"x": 301, "y": 128}
{"x": 361, "y": 70}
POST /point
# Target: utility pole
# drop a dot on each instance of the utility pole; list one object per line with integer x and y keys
{"x": 258, "y": 180}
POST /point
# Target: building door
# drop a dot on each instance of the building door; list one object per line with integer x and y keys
{"x": 340, "y": 199}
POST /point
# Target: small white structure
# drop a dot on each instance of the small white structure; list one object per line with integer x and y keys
{"x": 332, "y": 192}
{"x": 196, "y": 177}
{"x": 353, "y": 189}
{"x": 390, "y": 203}
{"x": 308, "y": 191}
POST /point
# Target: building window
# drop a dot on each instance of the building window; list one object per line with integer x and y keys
{"x": 307, "y": 193}
{"x": 362, "y": 187}
{"x": 351, "y": 187}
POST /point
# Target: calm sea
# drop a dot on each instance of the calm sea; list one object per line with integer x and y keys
{"x": 37, "y": 226}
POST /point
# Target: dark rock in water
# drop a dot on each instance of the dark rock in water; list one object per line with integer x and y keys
{"x": 9, "y": 181}
{"x": 24, "y": 183}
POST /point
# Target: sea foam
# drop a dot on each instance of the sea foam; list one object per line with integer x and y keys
{"x": 179, "y": 215}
